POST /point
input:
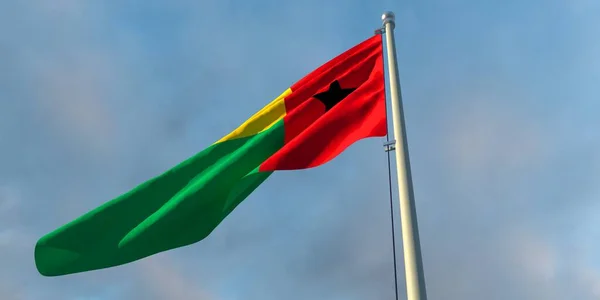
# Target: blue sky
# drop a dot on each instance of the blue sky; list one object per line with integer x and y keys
{"x": 501, "y": 101}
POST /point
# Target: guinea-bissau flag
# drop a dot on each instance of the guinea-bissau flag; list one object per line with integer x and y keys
{"x": 308, "y": 125}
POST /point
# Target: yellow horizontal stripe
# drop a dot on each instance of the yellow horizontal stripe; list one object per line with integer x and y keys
{"x": 261, "y": 120}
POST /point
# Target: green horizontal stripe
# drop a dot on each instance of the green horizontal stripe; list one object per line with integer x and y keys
{"x": 177, "y": 208}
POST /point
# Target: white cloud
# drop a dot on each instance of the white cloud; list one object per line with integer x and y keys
{"x": 71, "y": 77}
{"x": 472, "y": 251}
{"x": 15, "y": 239}
{"x": 482, "y": 136}
{"x": 533, "y": 257}
{"x": 75, "y": 94}
{"x": 159, "y": 276}
{"x": 9, "y": 199}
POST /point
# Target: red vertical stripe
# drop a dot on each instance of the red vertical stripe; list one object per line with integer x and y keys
{"x": 314, "y": 136}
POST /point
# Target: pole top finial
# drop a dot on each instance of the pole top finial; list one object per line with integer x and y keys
{"x": 388, "y": 17}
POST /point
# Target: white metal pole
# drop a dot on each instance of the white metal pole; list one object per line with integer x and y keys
{"x": 413, "y": 264}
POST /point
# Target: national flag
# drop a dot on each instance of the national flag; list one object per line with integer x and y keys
{"x": 308, "y": 125}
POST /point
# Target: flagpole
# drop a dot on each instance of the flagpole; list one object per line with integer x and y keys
{"x": 413, "y": 263}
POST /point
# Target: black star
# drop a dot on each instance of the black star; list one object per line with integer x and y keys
{"x": 334, "y": 95}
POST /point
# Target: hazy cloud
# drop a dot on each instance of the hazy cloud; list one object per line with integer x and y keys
{"x": 501, "y": 110}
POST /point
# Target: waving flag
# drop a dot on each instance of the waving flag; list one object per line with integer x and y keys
{"x": 309, "y": 124}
